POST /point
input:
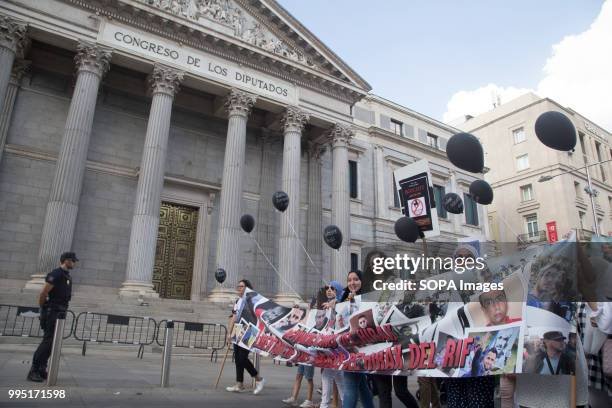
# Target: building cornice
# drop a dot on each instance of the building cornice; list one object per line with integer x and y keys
{"x": 547, "y": 171}
{"x": 185, "y": 32}
{"x": 407, "y": 111}
{"x": 375, "y": 131}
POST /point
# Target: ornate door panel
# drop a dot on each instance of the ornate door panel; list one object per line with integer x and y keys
{"x": 174, "y": 253}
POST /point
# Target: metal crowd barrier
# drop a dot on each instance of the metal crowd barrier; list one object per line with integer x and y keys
{"x": 115, "y": 329}
{"x": 23, "y": 321}
{"x": 208, "y": 336}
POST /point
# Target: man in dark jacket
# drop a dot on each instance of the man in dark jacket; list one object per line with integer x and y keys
{"x": 53, "y": 300}
{"x": 554, "y": 358}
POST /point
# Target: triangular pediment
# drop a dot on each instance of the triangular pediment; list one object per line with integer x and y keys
{"x": 264, "y": 25}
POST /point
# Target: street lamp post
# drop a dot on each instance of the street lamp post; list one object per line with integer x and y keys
{"x": 589, "y": 189}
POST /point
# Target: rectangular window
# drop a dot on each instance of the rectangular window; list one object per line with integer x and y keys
{"x": 610, "y": 203}
{"x": 432, "y": 140}
{"x": 471, "y": 210}
{"x": 396, "y": 200}
{"x": 531, "y": 222}
{"x": 396, "y": 127}
{"x": 581, "y": 219}
{"x": 582, "y": 148}
{"x": 522, "y": 162}
{"x": 577, "y": 189}
{"x": 353, "y": 179}
{"x": 439, "y": 192}
{"x": 599, "y": 159}
{"x": 354, "y": 261}
{"x": 519, "y": 135}
{"x": 600, "y": 225}
{"x": 526, "y": 192}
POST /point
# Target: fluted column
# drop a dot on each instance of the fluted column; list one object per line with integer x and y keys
{"x": 145, "y": 221}
{"x": 12, "y": 36}
{"x": 315, "y": 214}
{"x": 267, "y": 219}
{"x": 292, "y": 123}
{"x": 58, "y": 229}
{"x": 340, "y": 137}
{"x": 19, "y": 69}
{"x": 238, "y": 105}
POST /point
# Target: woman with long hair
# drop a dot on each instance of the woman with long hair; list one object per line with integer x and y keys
{"x": 241, "y": 355}
{"x": 355, "y": 384}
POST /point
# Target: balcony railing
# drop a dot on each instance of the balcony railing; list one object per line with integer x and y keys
{"x": 532, "y": 237}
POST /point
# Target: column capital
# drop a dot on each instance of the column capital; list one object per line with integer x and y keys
{"x": 165, "y": 80}
{"x": 316, "y": 150}
{"x": 20, "y": 68}
{"x": 12, "y": 33}
{"x": 340, "y": 135}
{"x": 239, "y": 102}
{"x": 294, "y": 119}
{"x": 93, "y": 58}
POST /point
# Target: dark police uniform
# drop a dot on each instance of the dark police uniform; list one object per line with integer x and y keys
{"x": 57, "y": 302}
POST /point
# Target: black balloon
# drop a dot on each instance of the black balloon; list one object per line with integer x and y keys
{"x": 481, "y": 192}
{"x": 280, "y": 200}
{"x": 556, "y": 131}
{"x": 220, "y": 275}
{"x": 332, "y": 236}
{"x": 465, "y": 151}
{"x": 247, "y": 222}
{"x": 407, "y": 229}
{"x": 452, "y": 203}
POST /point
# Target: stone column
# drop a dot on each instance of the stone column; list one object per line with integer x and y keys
{"x": 19, "y": 69}
{"x": 58, "y": 229}
{"x": 145, "y": 221}
{"x": 12, "y": 36}
{"x": 292, "y": 123}
{"x": 238, "y": 105}
{"x": 267, "y": 217}
{"x": 315, "y": 214}
{"x": 340, "y": 136}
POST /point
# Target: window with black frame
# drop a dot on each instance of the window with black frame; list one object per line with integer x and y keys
{"x": 439, "y": 192}
{"x": 354, "y": 261}
{"x": 471, "y": 210}
{"x": 353, "y": 184}
{"x": 396, "y": 200}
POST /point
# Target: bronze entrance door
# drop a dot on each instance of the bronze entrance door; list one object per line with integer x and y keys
{"x": 174, "y": 253}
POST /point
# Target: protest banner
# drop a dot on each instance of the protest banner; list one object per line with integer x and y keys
{"x": 506, "y": 318}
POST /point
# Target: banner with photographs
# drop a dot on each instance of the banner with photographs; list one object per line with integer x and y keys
{"x": 523, "y": 324}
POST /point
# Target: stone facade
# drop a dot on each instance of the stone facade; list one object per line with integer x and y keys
{"x": 214, "y": 145}
{"x": 508, "y": 133}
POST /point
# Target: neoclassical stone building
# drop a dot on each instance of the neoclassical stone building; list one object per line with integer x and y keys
{"x": 137, "y": 132}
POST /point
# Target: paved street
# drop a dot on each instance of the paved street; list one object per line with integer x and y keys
{"x": 114, "y": 377}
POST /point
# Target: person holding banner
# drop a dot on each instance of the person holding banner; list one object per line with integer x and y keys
{"x": 330, "y": 376}
{"x": 355, "y": 384}
{"x": 387, "y": 383}
{"x": 241, "y": 355}
{"x": 480, "y": 389}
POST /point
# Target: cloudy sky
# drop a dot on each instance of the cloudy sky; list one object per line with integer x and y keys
{"x": 448, "y": 58}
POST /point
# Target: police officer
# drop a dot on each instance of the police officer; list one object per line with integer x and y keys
{"x": 53, "y": 299}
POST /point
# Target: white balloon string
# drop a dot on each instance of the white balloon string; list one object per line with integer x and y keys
{"x": 273, "y": 267}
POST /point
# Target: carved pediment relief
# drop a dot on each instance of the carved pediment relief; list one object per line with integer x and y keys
{"x": 243, "y": 25}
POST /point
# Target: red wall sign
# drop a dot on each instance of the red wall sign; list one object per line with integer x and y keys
{"x": 551, "y": 229}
